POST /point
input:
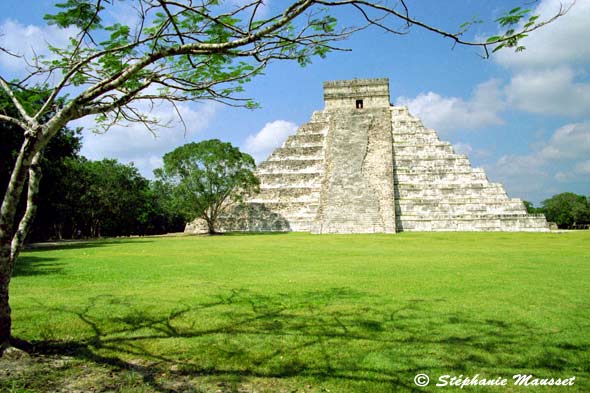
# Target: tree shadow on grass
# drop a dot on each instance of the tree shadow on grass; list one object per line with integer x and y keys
{"x": 82, "y": 244}
{"x": 33, "y": 262}
{"x": 337, "y": 339}
{"x": 34, "y": 266}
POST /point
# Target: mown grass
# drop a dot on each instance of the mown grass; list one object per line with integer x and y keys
{"x": 299, "y": 312}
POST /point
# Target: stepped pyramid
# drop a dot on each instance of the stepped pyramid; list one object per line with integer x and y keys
{"x": 362, "y": 165}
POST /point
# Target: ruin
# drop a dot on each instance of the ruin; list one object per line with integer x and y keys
{"x": 362, "y": 165}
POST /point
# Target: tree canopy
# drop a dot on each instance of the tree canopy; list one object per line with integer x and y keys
{"x": 206, "y": 178}
{"x": 567, "y": 210}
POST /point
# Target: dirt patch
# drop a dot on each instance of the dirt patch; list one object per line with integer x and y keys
{"x": 65, "y": 374}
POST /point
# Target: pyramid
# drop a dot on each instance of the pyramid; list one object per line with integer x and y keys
{"x": 362, "y": 165}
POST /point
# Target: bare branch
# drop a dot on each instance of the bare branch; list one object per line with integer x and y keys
{"x": 14, "y": 121}
{"x": 21, "y": 110}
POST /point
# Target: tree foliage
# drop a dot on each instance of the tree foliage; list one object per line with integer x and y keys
{"x": 206, "y": 178}
{"x": 567, "y": 210}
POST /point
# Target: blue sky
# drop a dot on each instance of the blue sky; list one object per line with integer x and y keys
{"x": 523, "y": 117}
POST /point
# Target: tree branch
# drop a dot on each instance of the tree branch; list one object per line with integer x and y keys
{"x": 14, "y": 121}
{"x": 21, "y": 110}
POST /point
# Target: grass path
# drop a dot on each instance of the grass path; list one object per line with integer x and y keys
{"x": 298, "y": 312}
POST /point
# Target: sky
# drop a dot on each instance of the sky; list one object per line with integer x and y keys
{"x": 524, "y": 117}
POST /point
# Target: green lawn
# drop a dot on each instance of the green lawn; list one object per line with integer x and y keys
{"x": 300, "y": 312}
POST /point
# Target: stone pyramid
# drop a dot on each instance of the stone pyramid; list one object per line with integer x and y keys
{"x": 362, "y": 165}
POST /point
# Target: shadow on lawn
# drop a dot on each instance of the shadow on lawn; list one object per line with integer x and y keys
{"x": 332, "y": 336}
{"x": 33, "y": 262}
{"x": 34, "y": 266}
{"x": 83, "y": 244}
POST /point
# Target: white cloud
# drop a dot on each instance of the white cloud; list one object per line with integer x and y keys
{"x": 563, "y": 41}
{"x": 451, "y": 113}
{"x": 463, "y": 148}
{"x": 551, "y": 76}
{"x": 571, "y": 141}
{"x": 564, "y": 158}
{"x": 582, "y": 168}
{"x": 271, "y": 136}
{"x": 134, "y": 143}
{"x": 470, "y": 151}
{"x": 29, "y": 41}
{"x": 552, "y": 91}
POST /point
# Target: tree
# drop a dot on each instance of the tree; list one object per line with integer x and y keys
{"x": 567, "y": 209}
{"x": 206, "y": 178}
{"x": 114, "y": 198}
{"x": 65, "y": 145}
{"x": 177, "y": 51}
{"x": 531, "y": 209}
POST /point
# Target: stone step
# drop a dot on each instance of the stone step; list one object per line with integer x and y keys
{"x": 407, "y": 139}
{"x": 426, "y": 154}
{"x": 291, "y": 166}
{"x": 297, "y": 153}
{"x": 451, "y": 193}
{"x": 403, "y": 129}
{"x": 448, "y": 163}
{"x": 319, "y": 116}
{"x": 501, "y": 222}
{"x": 440, "y": 178}
{"x": 435, "y": 171}
{"x": 313, "y": 128}
{"x": 427, "y": 210}
{"x": 299, "y": 199}
{"x": 287, "y": 180}
{"x": 475, "y": 190}
{"x": 305, "y": 140}
{"x": 461, "y": 200}
{"x": 283, "y": 192}
{"x": 409, "y": 144}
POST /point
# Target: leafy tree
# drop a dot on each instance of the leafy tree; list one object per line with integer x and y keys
{"x": 177, "y": 51}
{"x": 567, "y": 209}
{"x": 206, "y": 178}
{"x": 161, "y": 216}
{"x": 108, "y": 198}
{"x": 531, "y": 209}
{"x": 64, "y": 146}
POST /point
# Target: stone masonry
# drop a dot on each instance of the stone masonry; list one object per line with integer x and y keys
{"x": 364, "y": 166}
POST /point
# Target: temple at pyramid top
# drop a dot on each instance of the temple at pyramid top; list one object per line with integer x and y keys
{"x": 362, "y": 165}
{"x": 357, "y": 93}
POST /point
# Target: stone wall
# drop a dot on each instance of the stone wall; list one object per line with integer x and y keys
{"x": 344, "y": 94}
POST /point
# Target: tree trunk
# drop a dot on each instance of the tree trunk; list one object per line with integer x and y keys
{"x": 5, "y": 320}
{"x": 11, "y": 244}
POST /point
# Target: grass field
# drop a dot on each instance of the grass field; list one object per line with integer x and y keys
{"x": 299, "y": 312}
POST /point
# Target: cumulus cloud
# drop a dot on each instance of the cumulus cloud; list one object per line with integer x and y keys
{"x": 582, "y": 168}
{"x": 554, "y": 91}
{"x": 451, "y": 113}
{"x": 571, "y": 141}
{"x": 550, "y": 76}
{"x": 563, "y": 157}
{"x": 29, "y": 41}
{"x": 271, "y": 136}
{"x": 470, "y": 151}
{"x": 134, "y": 143}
